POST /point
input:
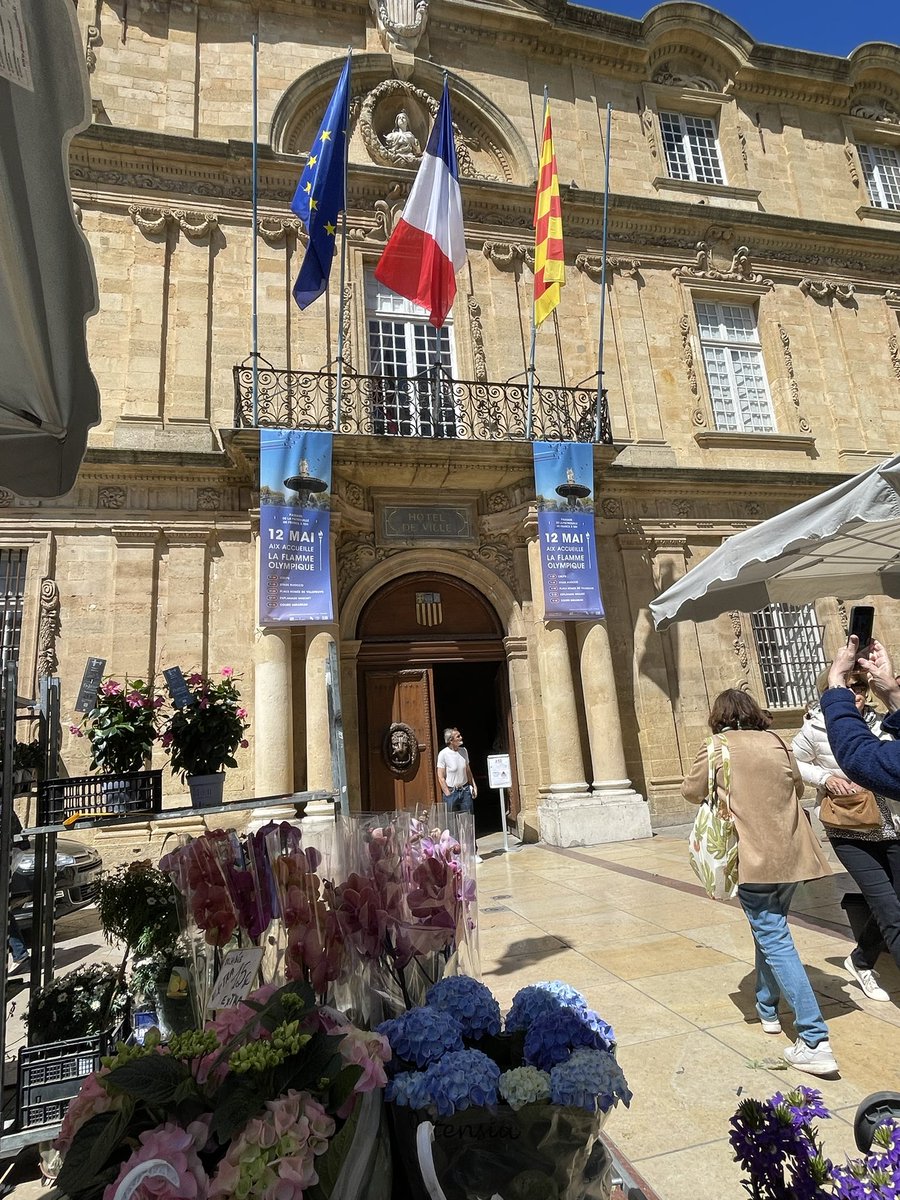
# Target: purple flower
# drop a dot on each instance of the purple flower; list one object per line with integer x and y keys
{"x": 551, "y": 1038}
{"x": 470, "y": 1002}
{"x": 539, "y": 999}
{"x": 422, "y": 1035}
{"x": 463, "y": 1079}
{"x": 589, "y": 1079}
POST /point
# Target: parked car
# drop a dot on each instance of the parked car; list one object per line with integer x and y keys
{"x": 78, "y": 868}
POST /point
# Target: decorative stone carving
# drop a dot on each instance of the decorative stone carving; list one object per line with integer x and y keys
{"x": 851, "y": 164}
{"x": 592, "y": 266}
{"x": 353, "y": 493}
{"x": 387, "y": 213}
{"x": 48, "y": 629}
{"x": 150, "y": 221}
{"x": 892, "y": 296}
{"x": 506, "y": 255}
{"x": 789, "y": 365}
{"x": 275, "y": 231}
{"x": 842, "y": 614}
{"x": 648, "y": 129}
{"x": 111, "y": 497}
{"x": 195, "y": 225}
{"x": 478, "y": 356}
{"x": 92, "y": 39}
{"x": 827, "y": 290}
{"x": 356, "y": 555}
{"x": 347, "y": 325}
{"x": 752, "y": 508}
{"x": 687, "y": 353}
{"x": 209, "y": 499}
{"x": 742, "y": 142}
{"x": 79, "y": 215}
{"x": 669, "y": 78}
{"x": 497, "y": 554}
{"x": 396, "y": 146}
{"x": 154, "y": 221}
{"x": 400, "y": 23}
{"x": 682, "y": 508}
{"x": 738, "y": 643}
{"x": 876, "y": 110}
{"x": 499, "y": 501}
{"x": 894, "y": 350}
{"x": 740, "y": 271}
{"x": 6, "y": 498}
{"x": 400, "y": 750}
{"x": 611, "y": 507}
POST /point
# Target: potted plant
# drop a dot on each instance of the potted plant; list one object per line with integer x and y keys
{"x": 27, "y": 758}
{"x": 203, "y": 735}
{"x": 121, "y": 728}
{"x": 88, "y": 1000}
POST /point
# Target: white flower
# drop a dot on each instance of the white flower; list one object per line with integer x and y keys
{"x": 524, "y": 1085}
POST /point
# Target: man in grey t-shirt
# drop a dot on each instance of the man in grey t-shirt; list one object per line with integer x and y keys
{"x": 455, "y": 775}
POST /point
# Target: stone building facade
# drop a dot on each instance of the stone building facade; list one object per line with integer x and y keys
{"x": 751, "y": 361}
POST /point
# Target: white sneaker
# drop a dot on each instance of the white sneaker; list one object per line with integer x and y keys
{"x": 867, "y": 980}
{"x": 770, "y": 1026}
{"x": 478, "y": 858}
{"x": 814, "y": 1060}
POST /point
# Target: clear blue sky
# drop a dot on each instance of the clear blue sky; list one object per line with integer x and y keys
{"x": 828, "y": 26}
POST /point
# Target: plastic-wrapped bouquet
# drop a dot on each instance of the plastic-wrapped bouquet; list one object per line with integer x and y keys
{"x": 275, "y": 1098}
{"x": 524, "y": 1105}
{"x": 779, "y": 1148}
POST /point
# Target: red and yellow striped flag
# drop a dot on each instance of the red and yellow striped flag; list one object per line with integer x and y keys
{"x": 549, "y": 260}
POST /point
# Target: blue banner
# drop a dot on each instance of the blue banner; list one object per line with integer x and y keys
{"x": 294, "y": 527}
{"x": 564, "y": 486}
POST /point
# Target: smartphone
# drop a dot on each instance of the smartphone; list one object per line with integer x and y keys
{"x": 862, "y": 618}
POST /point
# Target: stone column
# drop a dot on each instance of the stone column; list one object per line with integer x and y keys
{"x": 521, "y": 701}
{"x": 319, "y": 775}
{"x": 624, "y": 814}
{"x": 273, "y": 744}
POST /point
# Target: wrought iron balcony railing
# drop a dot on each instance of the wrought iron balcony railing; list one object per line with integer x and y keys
{"x": 431, "y": 405}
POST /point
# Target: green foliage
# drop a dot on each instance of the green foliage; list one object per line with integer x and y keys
{"x": 27, "y": 756}
{"x": 137, "y": 905}
{"x": 88, "y": 1000}
{"x": 122, "y": 726}
{"x": 203, "y": 736}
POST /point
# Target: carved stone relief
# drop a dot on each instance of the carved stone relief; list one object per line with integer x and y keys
{"x": 740, "y": 271}
{"x": 386, "y": 212}
{"x": 478, "y": 356}
{"x": 827, "y": 290}
{"x": 876, "y": 110}
{"x": 6, "y": 498}
{"x": 356, "y": 555}
{"x": 209, "y": 499}
{"x": 154, "y": 221}
{"x": 92, "y": 40}
{"x": 275, "y": 231}
{"x": 497, "y": 554}
{"x": 611, "y": 507}
{"x": 683, "y": 79}
{"x": 508, "y": 255}
{"x": 894, "y": 349}
{"x": 111, "y": 497}
{"x": 347, "y": 325}
{"x": 793, "y": 386}
{"x": 738, "y": 643}
{"x": 648, "y": 129}
{"x": 742, "y": 142}
{"x": 687, "y": 354}
{"x": 499, "y": 501}
{"x": 850, "y": 156}
{"x": 892, "y": 296}
{"x": 592, "y": 266}
{"x": 48, "y": 629}
{"x": 400, "y": 23}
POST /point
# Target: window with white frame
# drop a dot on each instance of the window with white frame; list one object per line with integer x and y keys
{"x": 12, "y": 593}
{"x": 881, "y": 167}
{"x": 415, "y": 362}
{"x": 692, "y": 151}
{"x": 791, "y": 653}
{"x": 735, "y": 372}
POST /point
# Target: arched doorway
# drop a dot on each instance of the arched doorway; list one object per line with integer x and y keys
{"x": 431, "y": 655}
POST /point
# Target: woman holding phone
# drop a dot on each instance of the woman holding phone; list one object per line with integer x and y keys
{"x": 874, "y": 764}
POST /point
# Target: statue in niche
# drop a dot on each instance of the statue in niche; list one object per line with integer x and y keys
{"x": 401, "y": 143}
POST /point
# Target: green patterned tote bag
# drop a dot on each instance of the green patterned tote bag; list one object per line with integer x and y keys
{"x": 714, "y": 844}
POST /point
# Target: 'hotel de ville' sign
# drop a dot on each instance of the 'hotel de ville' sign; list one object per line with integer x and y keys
{"x": 438, "y": 524}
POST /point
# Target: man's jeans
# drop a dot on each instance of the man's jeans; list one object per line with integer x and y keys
{"x": 17, "y": 947}
{"x": 778, "y": 966}
{"x": 460, "y": 799}
{"x": 875, "y": 868}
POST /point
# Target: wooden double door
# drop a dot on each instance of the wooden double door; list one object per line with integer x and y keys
{"x": 392, "y": 698}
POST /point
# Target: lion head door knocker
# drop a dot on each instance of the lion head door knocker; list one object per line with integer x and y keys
{"x": 400, "y": 750}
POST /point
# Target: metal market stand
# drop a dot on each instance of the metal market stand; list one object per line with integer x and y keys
{"x": 44, "y": 887}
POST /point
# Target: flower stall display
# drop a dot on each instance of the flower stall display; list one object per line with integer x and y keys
{"x": 273, "y": 1100}
{"x": 27, "y": 759}
{"x": 514, "y": 1108}
{"x": 779, "y": 1149}
{"x": 89, "y": 999}
{"x": 122, "y": 726}
{"x": 203, "y": 735}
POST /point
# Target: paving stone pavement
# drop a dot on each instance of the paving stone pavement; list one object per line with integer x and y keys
{"x": 673, "y": 973}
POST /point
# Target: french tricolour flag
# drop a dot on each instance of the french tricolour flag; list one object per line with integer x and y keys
{"x": 427, "y": 246}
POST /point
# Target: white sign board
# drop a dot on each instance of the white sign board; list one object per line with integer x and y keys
{"x": 236, "y": 978}
{"x": 14, "y": 62}
{"x": 499, "y": 771}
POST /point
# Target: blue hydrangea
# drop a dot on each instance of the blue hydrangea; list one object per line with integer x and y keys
{"x": 524, "y": 1085}
{"x": 463, "y": 1079}
{"x": 470, "y": 1002}
{"x": 539, "y": 999}
{"x": 550, "y": 1039}
{"x": 589, "y": 1079}
{"x": 408, "y": 1088}
{"x": 422, "y": 1035}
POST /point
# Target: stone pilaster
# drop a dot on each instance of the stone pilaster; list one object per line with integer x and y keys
{"x": 135, "y": 596}
{"x": 184, "y": 640}
{"x": 319, "y": 774}
{"x": 272, "y": 712}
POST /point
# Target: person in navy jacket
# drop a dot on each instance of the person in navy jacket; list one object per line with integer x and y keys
{"x": 873, "y": 764}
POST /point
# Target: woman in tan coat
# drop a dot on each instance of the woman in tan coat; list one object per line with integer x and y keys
{"x": 777, "y": 849}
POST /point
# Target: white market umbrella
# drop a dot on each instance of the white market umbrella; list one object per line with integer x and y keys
{"x": 843, "y": 543}
{"x": 48, "y": 396}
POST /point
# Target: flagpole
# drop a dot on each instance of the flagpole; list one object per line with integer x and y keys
{"x": 601, "y": 391}
{"x": 254, "y": 206}
{"x": 339, "y": 381}
{"x": 529, "y": 411}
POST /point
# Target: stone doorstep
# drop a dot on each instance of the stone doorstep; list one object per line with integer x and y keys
{"x": 591, "y": 820}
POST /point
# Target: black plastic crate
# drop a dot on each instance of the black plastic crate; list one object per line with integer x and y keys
{"x": 51, "y": 1074}
{"x": 105, "y": 797}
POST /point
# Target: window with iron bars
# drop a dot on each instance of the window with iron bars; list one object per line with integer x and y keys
{"x": 692, "y": 151}
{"x": 12, "y": 596}
{"x": 881, "y": 167}
{"x": 791, "y": 653}
{"x": 415, "y": 362}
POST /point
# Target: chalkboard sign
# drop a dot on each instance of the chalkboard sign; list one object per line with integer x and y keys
{"x": 87, "y": 693}
{"x": 178, "y": 689}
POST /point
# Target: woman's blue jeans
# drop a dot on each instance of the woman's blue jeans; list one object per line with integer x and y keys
{"x": 779, "y": 971}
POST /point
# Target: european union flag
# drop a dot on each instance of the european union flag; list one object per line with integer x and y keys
{"x": 320, "y": 193}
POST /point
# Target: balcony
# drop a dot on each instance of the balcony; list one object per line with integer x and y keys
{"x": 429, "y": 405}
